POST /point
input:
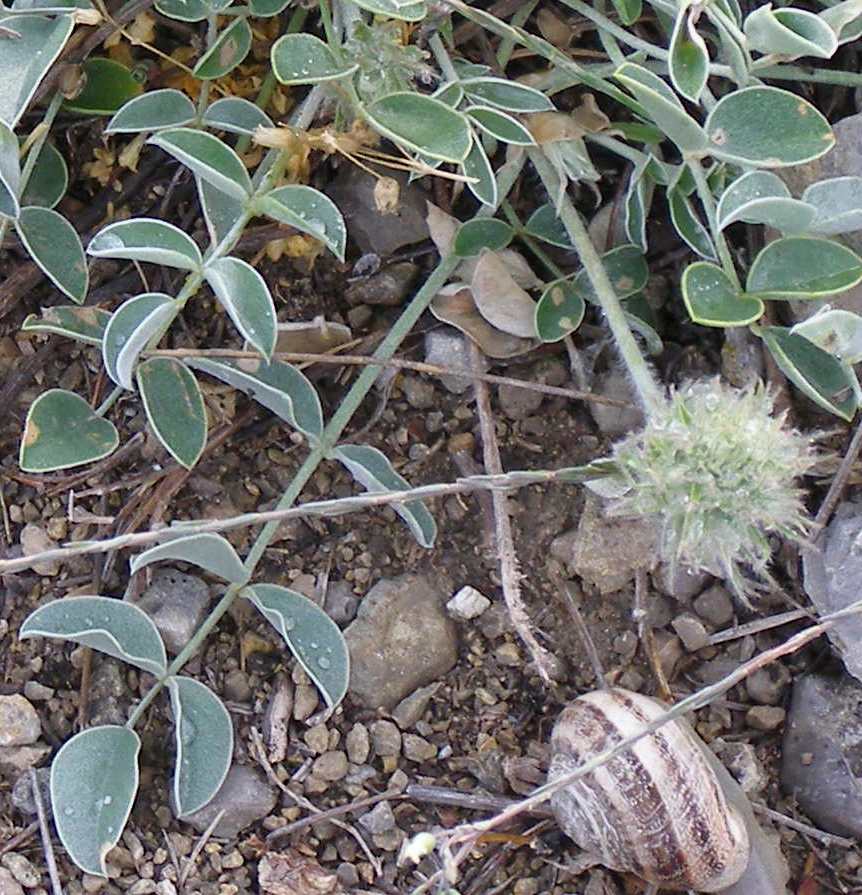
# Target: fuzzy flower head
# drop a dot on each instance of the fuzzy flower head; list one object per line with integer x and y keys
{"x": 719, "y": 471}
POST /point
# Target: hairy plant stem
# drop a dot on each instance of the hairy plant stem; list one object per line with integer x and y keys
{"x": 707, "y": 200}
{"x": 328, "y": 440}
{"x": 647, "y": 388}
{"x": 44, "y": 128}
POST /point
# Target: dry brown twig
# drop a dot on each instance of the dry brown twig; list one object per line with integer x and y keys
{"x": 510, "y": 574}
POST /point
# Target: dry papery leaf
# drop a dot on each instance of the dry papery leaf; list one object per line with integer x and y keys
{"x": 454, "y": 305}
{"x": 442, "y": 228}
{"x": 499, "y": 299}
{"x": 291, "y": 873}
{"x": 312, "y": 337}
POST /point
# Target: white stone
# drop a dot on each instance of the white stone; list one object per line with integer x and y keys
{"x": 467, "y": 604}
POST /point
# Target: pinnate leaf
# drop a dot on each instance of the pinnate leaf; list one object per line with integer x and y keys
{"x": 311, "y": 635}
{"x": 204, "y": 738}
{"x": 55, "y": 246}
{"x": 94, "y": 780}
{"x": 243, "y": 293}
{"x": 207, "y": 550}
{"x": 309, "y": 211}
{"x": 113, "y": 627}
{"x": 276, "y": 385}
{"x": 153, "y": 111}
{"x": 62, "y": 431}
{"x": 374, "y": 472}
{"x": 209, "y": 158}
{"x": 174, "y": 407}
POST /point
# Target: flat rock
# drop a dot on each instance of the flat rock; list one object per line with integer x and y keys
{"x": 821, "y": 763}
{"x": 34, "y": 539}
{"x": 245, "y": 797}
{"x": 445, "y": 347}
{"x": 616, "y": 421}
{"x": 17, "y": 759}
{"x": 19, "y": 723}
{"x": 177, "y": 604}
{"x": 831, "y": 574}
{"x": 372, "y": 231}
{"x": 22, "y": 790}
{"x": 400, "y": 640}
{"x": 468, "y": 603}
{"x": 607, "y": 551}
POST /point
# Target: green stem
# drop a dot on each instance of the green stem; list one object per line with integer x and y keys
{"x": 442, "y": 57}
{"x": 707, "y": 200}
{"x": 507, "y": 44}
{"x": 204, "y": 95}
{"x": 609, "y": 27}
{"x": 33, "y": 152}
{"x": 109, "y": 402}
{"x": 336, "y": 426}
{"x": 647, "y": 388}
{"x": 532, "y": 244}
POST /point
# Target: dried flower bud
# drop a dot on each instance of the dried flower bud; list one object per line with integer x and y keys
{"x": 387, "y": 195}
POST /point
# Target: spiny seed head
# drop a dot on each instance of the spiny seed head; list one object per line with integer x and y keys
{"x": 719, "y": 470}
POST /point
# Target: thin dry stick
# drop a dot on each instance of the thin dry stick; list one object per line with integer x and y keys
{"x": 517, "y": 479}
{"x": 259, "y": 753}
{"x": 645, "y": 634}
{"x": 417, "y": 366}
{"x": 199, "y": 847}
{"x": 465, "y": 835}
{"x": 47, "y": 846}
{"x": 572, "y": 601}
{"x": 761, "y": 624}
{"x": 510, "y": 574}
{"x": 330, "y": 813}
{"x": 19, "y": 838}
{"x": 839, "y": 480}
{"x": 793, "y": 824}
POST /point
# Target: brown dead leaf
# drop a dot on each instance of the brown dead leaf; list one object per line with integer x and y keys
{"x": 290, "y": 873}
{"x": 500, "y": 300}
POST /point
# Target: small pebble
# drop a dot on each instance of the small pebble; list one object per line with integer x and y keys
{"x": 768, "y": 686}
{"x": 330, "y": 766}
{"x": 22, "y": 791}
{"x": 379, "y": 819}
{"x": 93, "y": 884}
{"x": 34, "y": 539}
{"x": 347, "y": 875}
{"x": 765, "y": 717}
{"x": 411, "y": 709}
{"x": 358, "y": 744}
{"x": 21, "y": 868}
{"x": 304, "y": 701}
{"x": 419, "y": 393}
{"x": 19, "y": 723}
{"x": 691, "y": 631}
{"x": 386, "y": 738}
{"x": 715, "y": 605}
{"x": 417, "y": 748}
{"x": 236, "y": 686}
{"x": 8, "y": 884}
{"x": 36, "y": 692}
{"x": 317, "y": 738}
{"x": 508, "y": 654}
{"x": 467, "y": 604}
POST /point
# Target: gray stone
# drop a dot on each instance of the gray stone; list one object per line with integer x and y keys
{"x": 419, "y": 393}
{"x": 821, "y": 764}
{"x": 358, "y": 744}
{"x": 412, "y": 707}
{"x": 22, "y": 791}
{"x": 691, "y": 631}
{"x": 519, "y": 403}
{"x": 36, "y": 692}
{"x": 379, "y": 819}
{"x": 831, "y": 575}
{"x": 741, "y": 760}
{"x": 768, "y": 685}
{"x": 245, "y": 797}
{"x": 387, "y": 287}
{"x": 386, "y": 738}
{"x": 683, "y": 583}
{"x": 34, "y": 539}
{"x": 447, "y": 348}
{"x": 17, "y": 759}
{"x": 417, "y": 748}
{"x": 608, "y": 550}
{"x": 330, "y": 766}
{"x": 401, "y": 640}
{"x": 374, "y": 232}
{"x": 765, "y": 717}
{"x": 742, "y": 362}
{"x": 615, "y": 422}
{"x": 19, "y": 723}
{"x": 110, "y": 696}
{"x": 340, "y": 602}
{"x": 236, "y": 686}
{"x": 177, "y": 603}
{"x": 8, "y": 884}
{"x": 467, "y": 604}
{"x": 715, "y": 605}
{"x": 21, "y": 868}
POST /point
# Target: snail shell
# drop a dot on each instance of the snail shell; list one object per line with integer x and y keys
{"x": 656, "y": 810}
